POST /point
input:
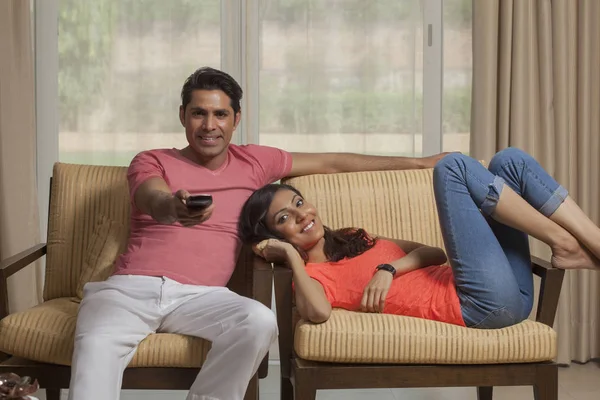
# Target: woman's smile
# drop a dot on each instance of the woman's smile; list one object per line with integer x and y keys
{"x": 309, "y": 226}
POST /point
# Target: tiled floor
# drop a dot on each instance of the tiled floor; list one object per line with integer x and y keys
{"x": 577, "y": 382}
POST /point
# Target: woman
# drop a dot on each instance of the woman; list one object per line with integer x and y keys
{"x": 485, "y": 216}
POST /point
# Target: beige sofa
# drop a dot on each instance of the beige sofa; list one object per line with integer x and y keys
{"x": 87, "y": 229}
{"x": 359, "y": 350}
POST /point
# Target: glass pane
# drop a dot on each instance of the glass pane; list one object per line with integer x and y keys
{"x": 341, "y": 75}
{"x": 121, "y": 67}
{"x": 458, "y": 71}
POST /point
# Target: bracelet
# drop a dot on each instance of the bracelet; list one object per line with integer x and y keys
{"x": 386, "y": 267}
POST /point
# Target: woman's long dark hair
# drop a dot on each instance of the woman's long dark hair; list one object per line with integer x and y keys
{"x": 339, "y": 244}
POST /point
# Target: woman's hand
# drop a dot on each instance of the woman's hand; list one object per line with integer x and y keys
{"x": 310, "y": 295}
{"x": 373, "y": 299}
{"x": 274, "y": 250}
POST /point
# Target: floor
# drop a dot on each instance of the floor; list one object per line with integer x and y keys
{"x": 577, "y": 382}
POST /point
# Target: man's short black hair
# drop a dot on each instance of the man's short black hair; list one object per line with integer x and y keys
{"x": 207, "y": 78}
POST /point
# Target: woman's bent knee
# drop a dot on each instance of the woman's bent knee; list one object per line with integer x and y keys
{"x": 450, "y": 160}
{"x": 453, "y": 164}
{"x": 509, "y": 155}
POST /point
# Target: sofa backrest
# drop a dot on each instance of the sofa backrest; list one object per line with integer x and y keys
{"x": 394, "y": 204}
{"x": 81, "y": 197}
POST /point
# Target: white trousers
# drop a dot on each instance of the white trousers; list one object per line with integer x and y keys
{"x": 116, "y": 315}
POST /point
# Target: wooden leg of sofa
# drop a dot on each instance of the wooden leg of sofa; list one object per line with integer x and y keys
{"x": 287, "y": 390}
{"x": 304, "y": 385}
{"x": 546, "y": 385}
{"x": 263, "y": 369}
{"x": 485, "y": 392}
{"x": 52, "y": 394}
{"x": 305, "y": 392}
{"x": 252, "y": 391}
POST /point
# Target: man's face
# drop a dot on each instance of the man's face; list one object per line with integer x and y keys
{"x": 209, "y": 123}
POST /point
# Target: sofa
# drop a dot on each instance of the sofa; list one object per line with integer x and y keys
{"x": 88, "y": 224}
{"x": 367, "y": 350}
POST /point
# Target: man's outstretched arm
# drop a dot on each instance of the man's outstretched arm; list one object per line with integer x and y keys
{"x": 329, "y": 163}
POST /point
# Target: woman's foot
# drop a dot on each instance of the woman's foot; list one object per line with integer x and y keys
{"x": 570, "y": 254}
{"x": 573, "y": 219}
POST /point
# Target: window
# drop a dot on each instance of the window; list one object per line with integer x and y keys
{"x": 121, "y": 67}
{"x": 342, "y": 75}
{"x": 319, "y": 75}
{"x": 352, "y": 75}
{"x": 458, "y": 72}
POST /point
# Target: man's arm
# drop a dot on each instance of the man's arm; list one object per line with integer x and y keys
{"x": 152, "y": 198}
{"x": 329, "y": 163}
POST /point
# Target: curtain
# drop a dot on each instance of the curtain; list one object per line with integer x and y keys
{"x": 19, "y": 224}
{"x": 536, "y": 86}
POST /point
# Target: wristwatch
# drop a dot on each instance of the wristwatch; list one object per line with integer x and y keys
{"x": 387, "y": 267}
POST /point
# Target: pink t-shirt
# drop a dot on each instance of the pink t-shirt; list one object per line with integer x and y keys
{"x": 206, "y": 253}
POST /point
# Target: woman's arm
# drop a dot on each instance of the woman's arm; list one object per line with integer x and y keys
{"x": 311, "y": 300}
{"x": 418, "y": 255}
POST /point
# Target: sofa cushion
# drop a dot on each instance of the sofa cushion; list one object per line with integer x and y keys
{"x": 352, "y": 337}
{"x": 108, "y": 240}
{"x": 46, "y": 332}
{"x": 81, "y": 196}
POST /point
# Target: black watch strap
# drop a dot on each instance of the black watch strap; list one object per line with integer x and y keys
{"x": 387, "y": 267}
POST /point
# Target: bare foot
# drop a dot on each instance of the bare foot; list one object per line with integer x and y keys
{"x": 579, "y": 225}
{"x": 572, "y": 255}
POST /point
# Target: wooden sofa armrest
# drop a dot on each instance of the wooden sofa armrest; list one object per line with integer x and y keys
{"x": 12, "y": 265}
{"x": 552, "y": 279}
{"x": 284, "y": 304}
{"x": 262, "y": 291}
{"x": 262, "y": 281}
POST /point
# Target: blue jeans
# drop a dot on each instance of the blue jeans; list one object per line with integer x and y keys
{"x": 491, "y": 261}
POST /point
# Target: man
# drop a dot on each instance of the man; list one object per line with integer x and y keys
{"x": 173, "y": 275}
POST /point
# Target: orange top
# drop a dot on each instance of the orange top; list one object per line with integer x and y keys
{"x": 427, "y": 293}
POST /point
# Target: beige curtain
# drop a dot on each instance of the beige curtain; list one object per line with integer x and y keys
{"x": 536, "y": 86}
{"x": 19, "y": 225}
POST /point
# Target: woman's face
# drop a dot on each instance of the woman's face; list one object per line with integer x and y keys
{"x": 294, "y": 219}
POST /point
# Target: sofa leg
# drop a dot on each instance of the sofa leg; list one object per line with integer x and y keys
{"x": 306, "y": 392}
{"x": 305, "y": 387}
{"x": 52, "y": 394}
{"x": 252, "y": 391}
{"x": 263, "y": 369}
{"x": 287, "y": 390}
{"x": 485, "y": 392}
{"x": 546, "y": 383}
